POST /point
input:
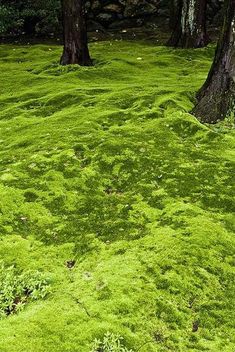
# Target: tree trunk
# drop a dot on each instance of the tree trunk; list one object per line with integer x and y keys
{"x": 190, "y": 24}
{"x": 216, "y": 98}
{"x": 175, "y": 15}
{"x": 75, "y": 34}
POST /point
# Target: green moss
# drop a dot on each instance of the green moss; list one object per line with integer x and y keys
{"x": 105, "y": 166}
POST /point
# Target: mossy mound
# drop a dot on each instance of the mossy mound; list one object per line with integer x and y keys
{"x": 122, "y": 198}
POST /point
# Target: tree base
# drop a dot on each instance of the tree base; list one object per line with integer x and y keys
{"x": 184, "y": 41}
{"x": 216, "y": 100}
{"x": 73, "y": 57}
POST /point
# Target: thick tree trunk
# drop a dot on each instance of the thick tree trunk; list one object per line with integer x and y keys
{"x": 75, "y": 34}
{"x": 216, "y": 98}
{"x": 190, "y": 24}
{"x": 175, "y": 13}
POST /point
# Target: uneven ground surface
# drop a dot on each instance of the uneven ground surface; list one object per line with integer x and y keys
{"x": 105, "y": 168}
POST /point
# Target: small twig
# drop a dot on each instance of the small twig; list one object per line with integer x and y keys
{"x": 143, "y": 345}
{"x": 82, "y": 305}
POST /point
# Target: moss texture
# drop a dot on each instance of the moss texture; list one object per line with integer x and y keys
{"x": 105, "y": 168}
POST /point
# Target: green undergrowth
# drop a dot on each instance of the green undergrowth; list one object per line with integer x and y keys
{"x": 18, "y": 289}
{"x": 117, "y": 197}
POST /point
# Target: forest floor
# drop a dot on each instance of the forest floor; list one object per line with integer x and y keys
{"x": 119, "y": 197}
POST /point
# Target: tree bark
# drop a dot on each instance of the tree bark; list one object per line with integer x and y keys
{"x": 216, "y": 98}
{"x": 75, "y": 34}
{"x": 175, "y": 14}
{"x": 190, "y": 24}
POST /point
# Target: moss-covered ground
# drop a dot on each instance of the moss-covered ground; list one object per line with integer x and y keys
{"x": 105, "y": 168}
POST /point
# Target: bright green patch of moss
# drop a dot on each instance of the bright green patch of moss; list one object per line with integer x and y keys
{"x": 106, "y": 166}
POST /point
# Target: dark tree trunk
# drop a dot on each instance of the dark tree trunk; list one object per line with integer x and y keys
{"x": 75, "y": 34}
{"x": 175, "y": 14}
{"x": 216, "y": 98}
{"x": 190, "y": 24}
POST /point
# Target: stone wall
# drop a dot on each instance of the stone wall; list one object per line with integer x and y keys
{"x": 114, "y": 14}
{"x": 120, "y": 13}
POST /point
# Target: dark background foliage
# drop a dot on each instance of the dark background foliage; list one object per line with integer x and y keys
{"x": 30, "y": 17}
{"x": 43, "y": 17}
